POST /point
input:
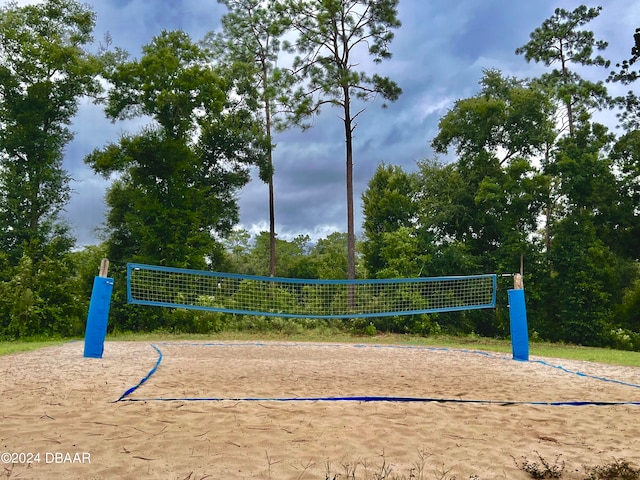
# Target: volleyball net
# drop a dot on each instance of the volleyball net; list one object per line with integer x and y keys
{"x": 305, "y": 298}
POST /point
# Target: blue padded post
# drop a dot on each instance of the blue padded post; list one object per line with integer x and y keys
{"x": 96, "y": 330}
{"x": 518, "y": 322}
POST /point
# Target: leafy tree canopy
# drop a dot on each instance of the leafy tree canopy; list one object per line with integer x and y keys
{"x": 44, "y": 71}
{"x": 507, "y": 118}
{"x": 179, "y": 176}
{"x": 561, "y": 42}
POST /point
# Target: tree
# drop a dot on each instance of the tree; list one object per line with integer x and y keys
{"x": 44, "y": 71}
{"x": 585, "y": 177}
{"x": 482, "y": 210}
{"x": 494, "y": 195}
{"x": 594, "y": 243}
{"x": 508, "y": 118}
{"x": 178, "y": 178}
{"x": 560, "y": 41}
{"x": 581, "y": 290}
{"x": 332, "y": 34}
{"x": 625, "y": 156}
{"x": 298, "y": 258}
{"x": 630, "y": 116}
{"x": 250, "y": 44}
{"x": 292, "y": 255}
{"x": 43, "y": 298}
{"x": 330, "y": 256}
{"x": 389, "y": 204}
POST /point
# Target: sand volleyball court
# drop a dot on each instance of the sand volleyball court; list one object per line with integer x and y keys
{"x": 283, "y": 410}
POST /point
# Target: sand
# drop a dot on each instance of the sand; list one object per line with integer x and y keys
{"x": 59, "y": 417}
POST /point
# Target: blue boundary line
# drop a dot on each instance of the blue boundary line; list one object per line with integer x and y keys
{"x": 144, "y": 379}
{"x": 128, "y": 392}
{"x": 376, "y": 399}
{"x": 580, "y": 374}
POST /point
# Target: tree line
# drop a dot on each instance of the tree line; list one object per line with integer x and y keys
{"x": 538, "y": 184}
{"x": 531, "y": 179}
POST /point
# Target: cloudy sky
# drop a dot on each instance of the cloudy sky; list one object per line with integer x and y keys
{"x": 438, "y": 57}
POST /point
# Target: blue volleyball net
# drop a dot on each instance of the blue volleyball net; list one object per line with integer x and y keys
{"x": 304, "y": 298}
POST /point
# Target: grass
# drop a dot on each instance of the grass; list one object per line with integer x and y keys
{"x": 15, "y": 346}
{"x": 616, "y": 470}
{"x": 473, "y": 342}
{"x": 540, "y": 469}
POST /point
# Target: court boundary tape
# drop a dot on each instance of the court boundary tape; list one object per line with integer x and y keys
{"x": 125, "y": 397}
{"x": 144, "y": 379}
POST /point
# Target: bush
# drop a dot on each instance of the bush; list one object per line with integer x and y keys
{"x": 190, "y": 321}
{"x": 42, "y": 299}
{"x": 625, "y": 339}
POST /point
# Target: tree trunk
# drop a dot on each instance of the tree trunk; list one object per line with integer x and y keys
{"x": 272, "y": 226}
{"x": 351, "y": 236}
{"x": 272, "y": 215}
{"x": 566, "y": 81}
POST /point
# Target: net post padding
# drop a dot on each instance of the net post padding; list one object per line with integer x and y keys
{"x": 304, "y": 298}
{"x": 518, "y": 320}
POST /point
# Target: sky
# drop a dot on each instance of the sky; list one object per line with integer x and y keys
{"x": 439, "y": 54}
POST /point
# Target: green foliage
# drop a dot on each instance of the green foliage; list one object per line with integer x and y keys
{"x": 589, "y": 257}
{"x": 43, "y": 299}
{"x": 627, "y": 314}
{"x": 491, "y": 199}
{"x": 625, "y": 156}
{"x": 44, "y": 71}
{"x": 508, "y": 117}
{"x": 188, "y": 321}
{"x": 249, "y": 46}
{"x": 169, "y": 82}
{"x": 522, "y": 189}
{"x": 586, "y": 178}
{"x": 630, "y": 104}
{"x": 591, "y": 211}
{"x": 423, "y": 325}
{"x": 86, "y": 264}
{"x": 297, "y": 258}
{"x": 625, "y": 339}
{"x": 561, "y": 41}
{"x": 580, "y": 286}
{"x": 390, "y": 248}
{"x": 329, "y": 256}
{"x": 178, "y": 180}
{"x": 292, "y": 257}
{"x": 264, "y": 297}
{"x": 481, "y": 216}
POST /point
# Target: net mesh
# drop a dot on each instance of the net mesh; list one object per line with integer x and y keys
{"x": 291, "y": 297}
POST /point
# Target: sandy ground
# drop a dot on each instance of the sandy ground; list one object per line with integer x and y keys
{"x": 59, "y": 417}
